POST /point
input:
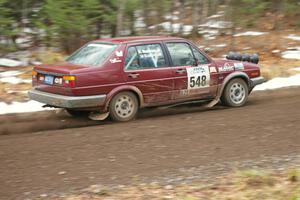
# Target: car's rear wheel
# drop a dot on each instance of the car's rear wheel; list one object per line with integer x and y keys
{"x": 123, "y": 107}
{"x": 77, "y": 113}
{"x": 235, "y": 93}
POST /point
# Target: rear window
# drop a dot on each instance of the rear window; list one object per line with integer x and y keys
{"x": 92, "y": 54}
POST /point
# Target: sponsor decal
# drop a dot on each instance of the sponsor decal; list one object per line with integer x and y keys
{"x": 239, "y": 66}
{"x": 198, "y": 77}
{"x": 184, "y": 92}
{"x": 213, "y": 70}
{"x": 115, "y": 60}
{"x": 226, "y": 68}
{"x": 119, "y": 53}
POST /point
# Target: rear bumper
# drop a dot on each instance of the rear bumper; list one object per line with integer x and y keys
{"x": 256, "y": 81}
{"x": 62, "y": 101}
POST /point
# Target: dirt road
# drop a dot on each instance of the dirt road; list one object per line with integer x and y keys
{"x": 49, "y": 153}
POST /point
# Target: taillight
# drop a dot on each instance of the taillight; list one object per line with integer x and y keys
{"x": 34, "y": 74}
{"x": 69, "y": 81}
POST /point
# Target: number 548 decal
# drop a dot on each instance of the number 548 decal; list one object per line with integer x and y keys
{"x": 198, "y": 77}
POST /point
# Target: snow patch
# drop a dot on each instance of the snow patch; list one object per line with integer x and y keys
{"x": 14, "y": 80}
{"x": 220, "y": 45}
{"x": 18, "y": 107}
{"x": 293, "y": 37}
{"x": 10, "y": 73}
{"x": 175, "y": 27}
{"x": 279, "y": 82}
{"x": 276, "y": 51}
{"x": 171, "y": 17}
{"x": 250, "y": 33}
{"x": 9, "y": 62}
{"x": 291, "y": 54}
{"x": 216, "y": 24}
{"x": 215, "y": 16}
{"x": 296, "y": 69}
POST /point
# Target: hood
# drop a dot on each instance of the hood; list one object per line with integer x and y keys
{"x": 220, "y": 62}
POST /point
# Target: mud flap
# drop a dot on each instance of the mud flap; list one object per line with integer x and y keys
{"x": 96, "y": 116}
{"x": 212, "y": 103}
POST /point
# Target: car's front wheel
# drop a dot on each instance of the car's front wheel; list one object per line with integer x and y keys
{"x": 123, "y": 107}
{"x": 235, "y": 93}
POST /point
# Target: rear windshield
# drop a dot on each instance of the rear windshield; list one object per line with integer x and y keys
{"x": 92, "y": 54}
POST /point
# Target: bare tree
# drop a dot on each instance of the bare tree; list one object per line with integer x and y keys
{"x": 120, "y": 15}
{"x": 205, "y": 8}
{"x": 172, "y": 9}
{"x": 195, "y": 16}
{"x": 182, "y": 15}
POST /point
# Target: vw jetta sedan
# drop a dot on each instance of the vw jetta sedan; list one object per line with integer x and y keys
{"x": 118, "y": 76}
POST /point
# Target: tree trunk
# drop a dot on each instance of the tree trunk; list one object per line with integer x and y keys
{"x": 120, "y": 19}
{"x": 182, "y": 14}
{"x": 98, "y": 28}
{"x": 172, "y": 9}
{"x": 196, "y": 8}
{"x": 205, "y": 9}
{"x": 146, "y": 16}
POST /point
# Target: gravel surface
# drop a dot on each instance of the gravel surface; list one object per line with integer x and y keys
{"x": 48, "y": 153}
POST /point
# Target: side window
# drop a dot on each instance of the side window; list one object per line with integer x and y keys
{"x": 145, "y": 57}
{"x": 181, "y": 54}
{"x": 131, "y": 60}
{"x": 201, "y": 58}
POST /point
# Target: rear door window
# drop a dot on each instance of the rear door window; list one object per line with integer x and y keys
{"x": 145, "y": 57}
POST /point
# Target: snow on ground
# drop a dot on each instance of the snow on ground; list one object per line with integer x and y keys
{"x": 250, "y": 33}
{"x": 14, "y": 80}
{"x": 291, "y": 54}
{"x": 10, "y": 77}
{"x": 10, "y": 73}
{"x": 17, "y": 107}
{"x": 216, "y": 24}
{"x": 293, "y": 37}
{"x": 279, "y": 82}
{"x": 175, "y": 27}
{"x": 220, "y": 45}
{"x": 276, "y": 51}
{"x": 172, "y": 17}
{"x": 215, "y": 16}
{"x": 9, "y": 62}
{"x": 296, "y": 69}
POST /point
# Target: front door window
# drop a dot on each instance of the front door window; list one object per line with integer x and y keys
{"x": 181, "y": 54}
{"x": 201, "y": 59}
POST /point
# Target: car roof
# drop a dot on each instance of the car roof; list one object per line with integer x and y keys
{"x": 119, "y": 40}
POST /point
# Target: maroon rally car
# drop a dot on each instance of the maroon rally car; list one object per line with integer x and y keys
{"x": 118, "y": 76}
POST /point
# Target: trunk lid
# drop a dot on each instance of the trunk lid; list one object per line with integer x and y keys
{"x": 60, "y": 68}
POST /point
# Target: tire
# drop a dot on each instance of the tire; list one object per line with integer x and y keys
{"x": 77, "y": 113}
{"x": 235, "y": 93}
{"x": 123, "y": 107}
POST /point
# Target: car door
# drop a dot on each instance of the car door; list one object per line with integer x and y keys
{"x": 191, "y": 71}
{"x": 147, "y": 68}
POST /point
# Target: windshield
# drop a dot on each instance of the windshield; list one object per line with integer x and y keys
{"x": 92, "y": 54}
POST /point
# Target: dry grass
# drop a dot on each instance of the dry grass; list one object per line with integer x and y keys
{"x": 242, "y": 185}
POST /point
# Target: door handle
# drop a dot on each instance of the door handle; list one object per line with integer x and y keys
{"x": 133, "y": 75}
{"x": 180, "y": 71}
